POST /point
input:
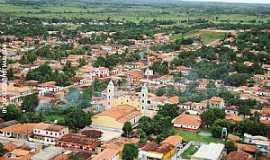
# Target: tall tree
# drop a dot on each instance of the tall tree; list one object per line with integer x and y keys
{"x": 2, "y": 149}
{"x": 12, "y": 112}
{"x": 211, "y": 115}
{"x": 30, "y": 103}
{"x": 130, "y": 152}
{"x": 127, "y": 129}
{"x": 77, "y": 119}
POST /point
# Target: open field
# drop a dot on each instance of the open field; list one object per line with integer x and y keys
{"x": 136, "y": 13}
{"x": 189, "y": 136}
{"x": 207, "y": 36}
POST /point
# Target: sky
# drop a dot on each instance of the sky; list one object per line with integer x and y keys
{"x": 239, "y": 1}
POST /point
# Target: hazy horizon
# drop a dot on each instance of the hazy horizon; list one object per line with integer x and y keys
{"x": 236, "y": 1}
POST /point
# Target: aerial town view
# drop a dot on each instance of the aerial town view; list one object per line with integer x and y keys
{"x": 135, "y": 80}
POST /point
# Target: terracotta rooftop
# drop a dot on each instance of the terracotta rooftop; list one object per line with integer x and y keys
{"x": 79, "y": 139}
{"x": 106, "y": 154}
{"x": 239, "y": 155}
{"x": 216, "y": 100}
{"x": 24, "y": 128}
{"x": 233, "y": 117}
{"x": 172, "y": 140}
{"x": 92, "y": 133}
{"x": 246, "y": 147}
{"x": 154, "y": 147}
{"x": 121, "y": 113}
{"x": 27, "y": 128}
{"x": 187, "y": 119}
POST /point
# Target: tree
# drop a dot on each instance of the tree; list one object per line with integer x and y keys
{"x": 230, "y": 146}
{"x": 143, "y": 136}
{"x": 12, "y": 112}
{"x": 43, "y": 73}
{"x": 10, "y": 74}
{"x": 2, "y": 149}
{"x": 169, "y": 110}
{"x": 86, "y": 97}
{"x": 145, "y": 124}
{"x": 216, "y": 131}
{"x": 251, "y": 127}
{"x": 244, "y": 110}
{"x": 211, "y": 115}
{"x": 31, "y": 117}
{"x": 82, "y": 62}
{"x": 74, "y": 157}
{"x": 30, "y": 103}
{"x": 160, "y": 67}
{"x": 127, "y": 129}
{"x": 130, "y": 152}
{"x": 68, "y": 69}
{"x": 77, "y": 119}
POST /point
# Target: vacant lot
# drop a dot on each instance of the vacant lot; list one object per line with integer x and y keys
{"x": 189, "y": 136}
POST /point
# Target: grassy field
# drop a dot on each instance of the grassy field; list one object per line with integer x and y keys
{"x": 52, "y": 118}
{"x": 189, "y": 152}
{"x": 189, "y": 136}
{"x": 206, "y": 36}
{"x": 134, "y": 13}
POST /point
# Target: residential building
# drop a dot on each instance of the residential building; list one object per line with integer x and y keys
{"x": 152, "y": 150}
{"x": 48, "y": 153}
{"x": 187, "y": 122}
{"x": 50, "y": 134}
{"x": 100, "y": 72}
{"x": 239, "y": 155}
{"x": 79, "y": 142}
{"x": 216, "y": 102}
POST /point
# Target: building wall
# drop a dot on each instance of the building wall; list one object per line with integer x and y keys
{"x": 127, "y": 101}
{"x": 106, "y": 121}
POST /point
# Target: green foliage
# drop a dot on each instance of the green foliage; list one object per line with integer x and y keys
{"x": 160, "y": 125}
{"x": 168, "y": 110}
{"x": 252, "y": 127}
{"x": 145, "y": 124}
{"x": 31, "y": 117}
{"x": 28, "y": 58}
{"x": 94, "y": 39}
{"x": 230, "y": 146}
{"x": 2, "y": 149}
{"x": 78, "y": 51}
{"x": 10, "y": 74}
{"x": 30, "y": 103}
{"x": 166, "y": 47}
{"x": 237, "y": 79}
{"x": 160, "y": 67}
{"x": 167, "y": 91}
{"x": 54, "y": 53}
{"x": 68, "y": 69}
{"x": 77, "y": 119}
{"x": 12, "y": 113}
{"x": 130, "y": 152}
{"x": 100, "y": 84}
{"x": 211, "y": 115}
{"x": 127, "y": 129}
{"x": 82, "y": 62}
{"x": 74, "y": 157}
{"x": 42, "y": 74}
